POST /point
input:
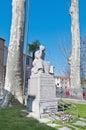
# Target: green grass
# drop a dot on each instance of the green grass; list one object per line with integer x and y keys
{"x": 75, "y": 106}
{"x": 81, "y": 110}
{"x": 12, "y": 119}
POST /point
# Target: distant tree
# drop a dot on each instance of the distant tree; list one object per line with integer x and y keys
{"x": 67, "y": 52}
{"x": 32, "y": 48}
{"x": 67, "y": 70}
{"x": 83, "y": 58}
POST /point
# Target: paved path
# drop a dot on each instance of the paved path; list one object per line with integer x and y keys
{"x": 80, "y": 123}
{"x": 74, "y": 126}
{"x": 64, "y": 128}
{"x": 73, "y": 100}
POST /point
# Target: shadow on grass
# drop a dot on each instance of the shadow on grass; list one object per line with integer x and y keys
{"x": 8, "y": 99}
{"x": 12, "y": 119}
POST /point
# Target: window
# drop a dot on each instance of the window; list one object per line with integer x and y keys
{"x": 27, "y": 61}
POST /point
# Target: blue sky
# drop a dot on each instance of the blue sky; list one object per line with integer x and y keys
{"x": 50, "y": 24}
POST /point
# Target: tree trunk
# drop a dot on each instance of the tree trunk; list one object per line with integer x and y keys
{"x": 75, "y": 82}
{"x": 75, "y": 56}
{"x": 13, "y": 90}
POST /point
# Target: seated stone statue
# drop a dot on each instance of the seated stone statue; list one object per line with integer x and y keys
{"x": 38, "y": 65}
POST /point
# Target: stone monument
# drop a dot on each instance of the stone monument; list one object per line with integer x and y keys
{"x": 74, "y": 59}
{"x": 41, "y": 86}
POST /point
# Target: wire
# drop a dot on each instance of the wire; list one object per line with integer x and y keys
{"x": 27, "y": 18}
{"x": 27, "y": 23}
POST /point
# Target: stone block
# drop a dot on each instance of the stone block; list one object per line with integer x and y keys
{"x": 42, "y": 88}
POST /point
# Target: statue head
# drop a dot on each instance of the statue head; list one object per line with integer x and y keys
{"x": 42, "y": 50}
{"x": 42, "y": 47}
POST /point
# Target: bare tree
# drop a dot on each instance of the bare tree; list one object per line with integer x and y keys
{"x": 66, "y": 54}
{"x": 83, "y": 62}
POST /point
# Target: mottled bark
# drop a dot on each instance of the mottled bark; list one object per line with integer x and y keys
{"x": 14, "y": 71}
{"x": 75, "y": 56}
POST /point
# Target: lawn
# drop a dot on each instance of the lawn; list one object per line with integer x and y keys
{"x": 12, "y": 119}
{"x": 81, "y": 110}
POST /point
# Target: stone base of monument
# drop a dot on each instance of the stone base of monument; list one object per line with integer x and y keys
{"x": 42, "y": 95}
{"x": 40, "y": 108}
{"x": 76, "y": 93}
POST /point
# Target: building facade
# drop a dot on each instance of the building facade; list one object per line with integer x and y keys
{"x": 27, "y": 65}
{"x": 1, "y": 65}
{"x": 62, "y": 81}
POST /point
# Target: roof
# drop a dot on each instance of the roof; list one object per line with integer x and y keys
{"x": 62, "y": 77}
{"x": 27, "y": 55}
{"x": 2, "y": 39}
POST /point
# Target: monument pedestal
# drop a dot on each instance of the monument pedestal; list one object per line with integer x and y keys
{"x": 41, "y": 89}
